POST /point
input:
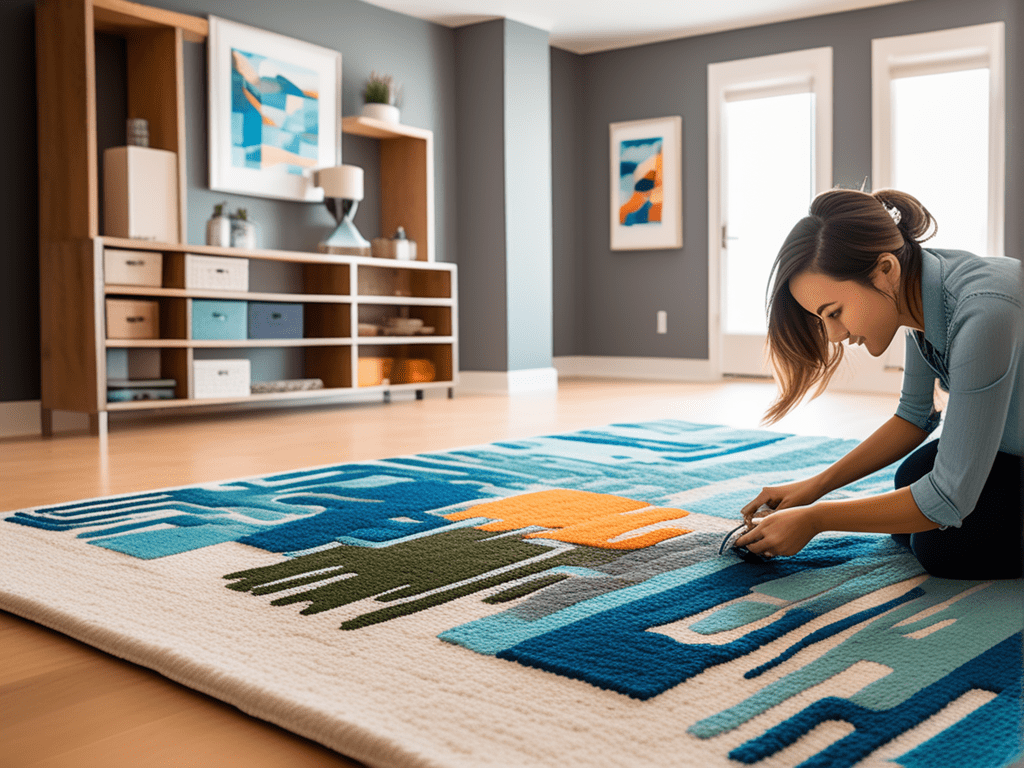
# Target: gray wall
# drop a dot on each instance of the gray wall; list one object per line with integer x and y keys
{"x": 420, "y": 56}
{"x": 480, "y": 165}
{"x": 612, "y": 313}
{"x": 503, "y": 78}
{"x": 567, "y": 121}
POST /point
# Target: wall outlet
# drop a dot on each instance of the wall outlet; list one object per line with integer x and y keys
{"x": 662, "y": 321}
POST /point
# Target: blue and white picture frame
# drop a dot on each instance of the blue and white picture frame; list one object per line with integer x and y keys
{"x": 646, "y": 184}
{"x": 274, "y": 112}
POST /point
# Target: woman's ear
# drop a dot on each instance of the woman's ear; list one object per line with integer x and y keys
{"x": 888, "y": 271}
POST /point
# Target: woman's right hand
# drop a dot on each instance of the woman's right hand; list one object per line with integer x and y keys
{"x": 778, "y": 497}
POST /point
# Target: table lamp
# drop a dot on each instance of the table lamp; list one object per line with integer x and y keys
{"x": 343, "y": 189}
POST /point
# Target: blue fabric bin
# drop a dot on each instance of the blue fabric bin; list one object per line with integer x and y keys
{"x": 218, "y": 319}
{"x": 274, "y": 320}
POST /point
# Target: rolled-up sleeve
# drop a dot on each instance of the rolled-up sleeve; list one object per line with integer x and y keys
{"x": 917, "y": 396}
{"x": 984, "y": 342}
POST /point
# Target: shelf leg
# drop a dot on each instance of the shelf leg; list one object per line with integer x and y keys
{"x": 98, "y": 424}
{"x": 451, "y": 393}
{"x": 419, "y": 394}
{"x": 387, "y": 396}
{"x": 46, "y": 421}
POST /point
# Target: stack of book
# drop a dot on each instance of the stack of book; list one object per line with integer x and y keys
{"x": 124, "y": 390}
{"x": 285, "y": 385}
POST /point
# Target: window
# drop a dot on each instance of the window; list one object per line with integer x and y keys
{"x": 939, "y": 129}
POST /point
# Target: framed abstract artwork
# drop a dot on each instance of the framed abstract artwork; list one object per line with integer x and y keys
{"x": 646, "y": 184}
{"x": 274, "y": 112}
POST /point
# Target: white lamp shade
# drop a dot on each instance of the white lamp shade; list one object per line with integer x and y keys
{"x": 343, "y": 181}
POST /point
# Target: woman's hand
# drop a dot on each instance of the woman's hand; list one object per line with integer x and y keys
{"x": 782, "y": 533}
{"x": 779, "y": 497}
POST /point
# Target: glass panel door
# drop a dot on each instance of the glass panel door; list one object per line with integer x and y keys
{"x": 768, "y": 161}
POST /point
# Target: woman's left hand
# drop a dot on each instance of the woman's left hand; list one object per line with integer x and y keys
{"x": 782, "y": 533}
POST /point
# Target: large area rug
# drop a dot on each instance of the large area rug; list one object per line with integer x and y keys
{"x": 556, "y": 601}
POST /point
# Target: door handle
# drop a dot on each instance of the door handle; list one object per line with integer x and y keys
{"x": 725, "y": 236}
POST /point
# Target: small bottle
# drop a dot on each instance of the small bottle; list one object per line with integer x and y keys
{"x": 243, "y": 231}
{"x": 218, "y": 228}
{"x": 402, "y": 248}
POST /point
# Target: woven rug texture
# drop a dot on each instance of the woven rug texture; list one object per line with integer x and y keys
{"x": 552, "y": 601}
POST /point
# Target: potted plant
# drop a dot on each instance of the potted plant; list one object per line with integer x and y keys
{"x": 243, "y": 231}
{"x": 381, "y": 96}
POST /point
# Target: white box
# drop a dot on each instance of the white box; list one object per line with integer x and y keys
{"x": 140, "y": 194}
{"x": 220, "y": 378}
{"x": 220, "y": 273}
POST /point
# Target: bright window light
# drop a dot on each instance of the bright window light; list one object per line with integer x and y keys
{"x": 769, "y": 185}
{"x": 940, "y": 152}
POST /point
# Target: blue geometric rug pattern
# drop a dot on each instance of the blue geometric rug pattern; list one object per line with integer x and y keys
{"x": 593, "y": 556}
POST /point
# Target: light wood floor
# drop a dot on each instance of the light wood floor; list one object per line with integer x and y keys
{"x": 66, "y": 704}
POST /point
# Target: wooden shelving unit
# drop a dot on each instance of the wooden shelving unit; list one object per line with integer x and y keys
{"x": 339, "y": 292}
{"x": 406, "y": 179}
{"x": 364, "y": 286}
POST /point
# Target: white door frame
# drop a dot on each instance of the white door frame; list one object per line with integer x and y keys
{"x": 809, "y": 69}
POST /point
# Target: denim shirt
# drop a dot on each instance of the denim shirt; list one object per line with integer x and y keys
{"x": 973, "y": 343}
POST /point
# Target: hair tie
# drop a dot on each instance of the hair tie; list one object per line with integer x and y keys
{"x": 893, "y": 212}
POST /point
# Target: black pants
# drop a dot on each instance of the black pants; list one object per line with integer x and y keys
{"x": 988, "y": 544}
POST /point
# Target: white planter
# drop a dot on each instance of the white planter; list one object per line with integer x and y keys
{"x": 386, "y": 112}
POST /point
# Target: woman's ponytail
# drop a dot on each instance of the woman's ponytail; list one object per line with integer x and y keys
{"x": 912, "y": 218}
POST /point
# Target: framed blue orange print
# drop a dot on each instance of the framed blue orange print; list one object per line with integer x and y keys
{"x": 646, "y": 184}
{"x": 274, "y": 112}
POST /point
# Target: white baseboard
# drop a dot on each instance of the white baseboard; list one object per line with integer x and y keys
{"x": 650, "y": 368}
{"x": 682, "y": 369}
{"x": 20, "y": 418}
{"x": 507, "y": 382}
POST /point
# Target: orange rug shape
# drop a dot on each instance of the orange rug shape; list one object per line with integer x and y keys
{"x": 599, "y": 532}
{"x": 578, "y": 517}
